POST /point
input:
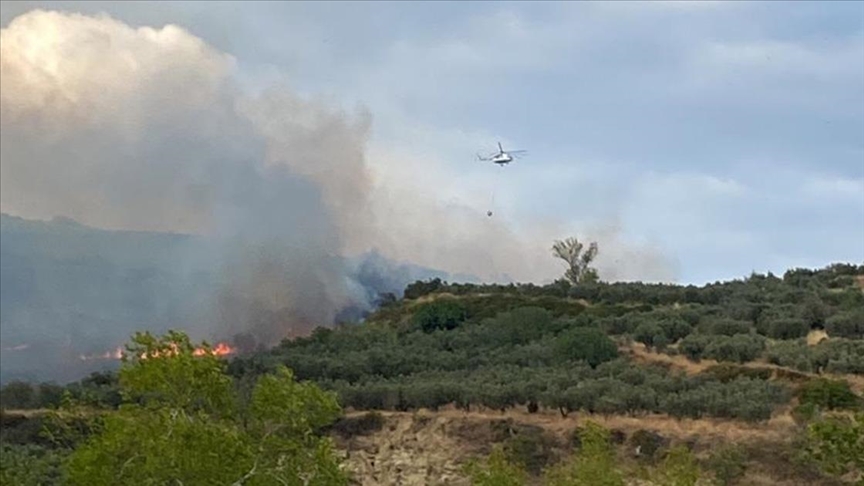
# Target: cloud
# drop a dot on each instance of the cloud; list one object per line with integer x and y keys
{"x": 836, "y": 188}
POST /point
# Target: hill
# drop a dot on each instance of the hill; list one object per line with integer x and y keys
{"x": 68, "y": 290}
{"x": 736, "y": 372}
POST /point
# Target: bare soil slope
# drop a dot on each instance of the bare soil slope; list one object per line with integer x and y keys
{"x": 430, "y": 448}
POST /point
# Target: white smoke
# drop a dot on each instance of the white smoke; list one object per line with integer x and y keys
{"x": 146, "y": 129}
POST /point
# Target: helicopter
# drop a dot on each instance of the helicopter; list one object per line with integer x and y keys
{"x": 502, "y": 157}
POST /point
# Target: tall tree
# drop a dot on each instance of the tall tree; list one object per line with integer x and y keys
{"x": 570, "y": 250}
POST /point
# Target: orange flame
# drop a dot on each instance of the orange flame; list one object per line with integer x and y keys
{"x": 221, "y": 349}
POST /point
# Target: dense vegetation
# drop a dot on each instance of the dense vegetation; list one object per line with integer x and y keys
{"x": 184, "y": 421}
{"x": 560, "y": 347}
{"x": 557, "y": 346}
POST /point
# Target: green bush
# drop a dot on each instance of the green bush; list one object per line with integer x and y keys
{"x": 726, "y": 372}
{"x": 739, "y": 348}
{"x": 586, "y": 344}
{"x": 849, "y": 324}
{"x": 728, "y": 463}
{"x": 531, "y": 450}
{"x": 444, "y": 314}
{"x": 30, "y": 465}
{"x": 829, "y": 394}
{"x": 787, "y": 328}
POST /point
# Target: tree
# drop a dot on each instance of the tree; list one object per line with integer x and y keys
{"x": 594, "y": 464}
{"x": 570, "y": 250}
{"x": 679, "y": 468}
{"x": 444, "y": 314}
{"x": 17, "y": 394}
{"x": 836, "y": 444}
{"x": 588, "y": 344}
{"x": 496, "y": 471}
{"x": 728, "y": 463}
{"x": 182, "y": 422}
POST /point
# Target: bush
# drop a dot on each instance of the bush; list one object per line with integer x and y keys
{"x": 420, "y": 288}
{"x": 22, "y": 430}
{"x": 679, "y": 468}
{"x": 739, "y": 348}
{"x": 836, "y": 444}
{"x": 495, "y": 471}
{"x": 647, "y": 443}
{"x": 728, "y": 463}
{"x": 30, "y": 465}
{"x": 787, "y": 328}
{"x": 586, "y": 344}
{"x": 17, "y": 395}
{"x": 726, "y": 372}
{"x": 725, "y": 327}
{"x": 829, "y": 394}
{"x": 693, "y": 346}
{"x": 530, "y": 450}
{"x": 646, "y": 333}
{"x": 849, "y": 324}
{"x": 444, "y": 314}
{"x": 593, "y": 465}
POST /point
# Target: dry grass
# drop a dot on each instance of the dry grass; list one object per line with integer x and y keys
{"x": 640, "y": 354}
{"x": 26, "y": 413}
{"x": 428, "y": 447}
{"x": 816, "y": 336}
{"x": 778, "y": 428}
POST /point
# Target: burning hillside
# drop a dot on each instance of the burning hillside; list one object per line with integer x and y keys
{"x": 220, "y": 349}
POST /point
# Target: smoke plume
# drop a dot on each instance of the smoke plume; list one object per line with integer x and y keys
{"x": 147, "y": 129}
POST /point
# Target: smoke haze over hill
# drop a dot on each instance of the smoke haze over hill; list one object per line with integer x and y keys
{"x": 147, "y": 129}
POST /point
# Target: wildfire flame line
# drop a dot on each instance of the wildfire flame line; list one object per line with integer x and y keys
{"x": 221, "y": 349}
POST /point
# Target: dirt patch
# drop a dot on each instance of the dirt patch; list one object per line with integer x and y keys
{"x": 430, "y": 448}
{"x": 816, "y": 336}
{"x": 638, "y": 353}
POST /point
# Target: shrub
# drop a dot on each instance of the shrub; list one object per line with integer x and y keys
{"x": 679, "y": 468}
{"x": 495, "y": 471}
{"x": 739, "y": 348}
{"x": 849, "y": 324}
{"x": 646, "y": 333}
{"x": 647, "y": 443}
{"x": 787, "y": 328}
{"x": 725, "y": 327}
{"x": 530, "y": 450}
{"x": 829, "y": 394}
{"x": 726, "y": 372}
{"x": 728, "y": 463}
{"x": 442, "y": 314}
{"x": 586, "y": 344}
{"x": 836, "y": 445}
{"x": 693, "y": 346}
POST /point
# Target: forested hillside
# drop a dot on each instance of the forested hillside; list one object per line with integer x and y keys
{"x": 753, "y": 381}
{"x": 567, "y": 347}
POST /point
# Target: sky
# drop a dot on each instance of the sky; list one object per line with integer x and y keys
{"x": 697, "y": 141}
